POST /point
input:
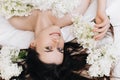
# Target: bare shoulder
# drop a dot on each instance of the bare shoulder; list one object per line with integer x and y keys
{"x": 24, "y": 22}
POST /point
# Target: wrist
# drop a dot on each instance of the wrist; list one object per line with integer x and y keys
{"x": 101, "y": 13}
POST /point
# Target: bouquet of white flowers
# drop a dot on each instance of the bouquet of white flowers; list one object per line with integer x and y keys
{"x": 8, "y": 65}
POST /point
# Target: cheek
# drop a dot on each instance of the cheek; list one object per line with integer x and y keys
{"x": 41, "y": 41}
{"x": 39, "y": 47}
{"x": 62, "y": 43}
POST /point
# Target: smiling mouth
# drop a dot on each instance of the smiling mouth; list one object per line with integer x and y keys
{"x": 55, "y": 33}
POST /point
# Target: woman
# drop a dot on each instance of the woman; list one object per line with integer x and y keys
{"x": 48, "y": 42}
{"x": 47, "y": 60}
{"x": 37, "y": 23}
{"x": 48, "y": 49}
{"x": 48, "y": 38}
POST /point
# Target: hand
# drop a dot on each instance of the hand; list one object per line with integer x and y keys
{"x": 102, "y": 25}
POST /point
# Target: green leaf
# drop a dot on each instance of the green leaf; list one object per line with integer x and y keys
{"x": 22, "y": 54}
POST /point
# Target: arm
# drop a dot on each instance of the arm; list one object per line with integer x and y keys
{"x": 102, "y": 20}
{"x": 101, "y": 6}
{"x": 83, "y": 7}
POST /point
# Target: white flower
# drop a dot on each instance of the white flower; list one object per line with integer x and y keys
{"x": 94, "y": 70}
{"x": 103, "y": 58}
{"x": 43, "y": 4}
{"x": 62, "y": 7}
{"x": 11, "y": 8}
{"x": 100, "y": 58}
{"x": 83, "y": 32}
{"x": 59, "y": 8}
{"x": 100, "y": 68}
{"x": 7, "y": 67}
{"x": 10, "y": 70}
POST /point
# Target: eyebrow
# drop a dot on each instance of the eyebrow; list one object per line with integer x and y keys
{"x": 61, "y": 50}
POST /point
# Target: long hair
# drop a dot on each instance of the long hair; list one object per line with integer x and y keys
{"x": 42, "y": 71}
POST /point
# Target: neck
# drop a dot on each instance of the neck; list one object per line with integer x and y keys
{"x": 38, "y": 30}
{"x": 43, "y": 22}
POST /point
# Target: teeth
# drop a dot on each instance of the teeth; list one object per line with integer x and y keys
{"x": 57, "y": 34}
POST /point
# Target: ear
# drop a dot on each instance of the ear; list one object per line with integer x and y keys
{"x": 33, "y": 44}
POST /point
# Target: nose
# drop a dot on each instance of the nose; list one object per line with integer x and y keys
{"x": 56, "y": 37}
{"x": 56, "y": 40}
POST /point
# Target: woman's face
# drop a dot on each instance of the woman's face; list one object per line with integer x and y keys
{"x": 49, "y": 45}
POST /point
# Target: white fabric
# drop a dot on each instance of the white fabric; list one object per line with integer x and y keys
{"x": 10, "y": 36}
{"x": 113, "y": 12}
{"x": 67, "y": 33}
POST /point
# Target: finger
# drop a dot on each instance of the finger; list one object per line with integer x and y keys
{"x": 100, "y": 35}
{"x": 105, "y": 22}
{"x": 99, "y": 30}
{"x": 97, "y": 20}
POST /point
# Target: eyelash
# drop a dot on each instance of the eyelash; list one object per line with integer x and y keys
{"x": 49, "y": 49}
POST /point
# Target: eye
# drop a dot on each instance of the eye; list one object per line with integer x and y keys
{"x": 60, "y": 50}
{"x": 48, "y": 49}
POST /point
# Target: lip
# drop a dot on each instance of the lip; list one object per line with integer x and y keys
{"x": 55, "y": 33}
